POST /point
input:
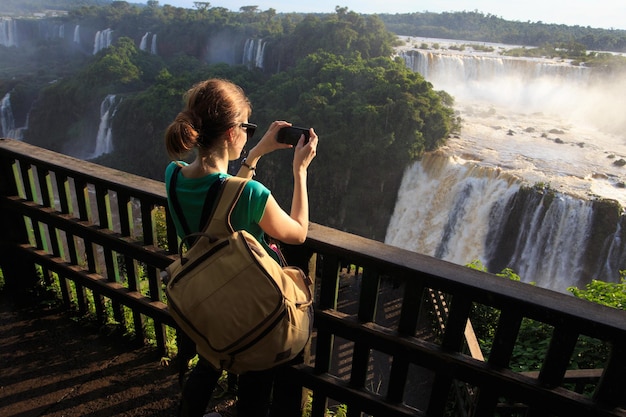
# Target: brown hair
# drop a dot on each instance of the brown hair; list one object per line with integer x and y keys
{"x": 212, "y": 107}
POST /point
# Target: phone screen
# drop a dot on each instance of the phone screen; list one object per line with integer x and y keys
{"x": 291, "y": 135}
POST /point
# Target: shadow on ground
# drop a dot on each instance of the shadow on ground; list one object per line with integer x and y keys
{"x": 52, "y": 365}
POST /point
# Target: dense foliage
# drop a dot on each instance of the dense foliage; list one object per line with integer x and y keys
{"x": 477, "y": 26}
{"x": 533, "y": 339}
{"x": 610, "y": 294}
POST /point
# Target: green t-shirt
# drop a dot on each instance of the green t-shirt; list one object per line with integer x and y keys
{"x": 191, "y": 193}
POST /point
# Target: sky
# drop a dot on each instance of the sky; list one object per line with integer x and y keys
{"x": 607, "y": 14}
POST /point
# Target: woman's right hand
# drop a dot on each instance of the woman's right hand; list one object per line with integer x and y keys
{"x": 305, "y": 152}
{"x": 292, "y": 228}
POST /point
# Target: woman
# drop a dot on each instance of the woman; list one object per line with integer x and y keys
{"x": 215, "y": 123}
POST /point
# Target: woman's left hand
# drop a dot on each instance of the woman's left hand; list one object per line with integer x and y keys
{"x": 268, "y": 142}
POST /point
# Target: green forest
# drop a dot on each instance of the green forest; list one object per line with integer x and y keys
{"x": 485, "y": 27}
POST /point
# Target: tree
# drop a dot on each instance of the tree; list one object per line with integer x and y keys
{"x": 534, "y": 337}
{"x": 116, "y": 66}
{"x": 610, "y": 294}
{"x": 202, "y": 5}
{"x": 249, "y": 9}
{"x": 489, "y": 28}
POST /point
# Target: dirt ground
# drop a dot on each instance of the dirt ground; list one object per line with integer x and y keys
{"x": 53, "y": 365}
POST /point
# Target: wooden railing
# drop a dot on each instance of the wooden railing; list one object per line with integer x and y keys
{"x": 102, "y": 235}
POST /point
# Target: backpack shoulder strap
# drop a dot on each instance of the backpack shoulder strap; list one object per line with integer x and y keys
{"x": 175, "y": 202}
{"x": 211, "y": 196}
{"x": 219, "y": 224}
{"x": 209, "y": 202}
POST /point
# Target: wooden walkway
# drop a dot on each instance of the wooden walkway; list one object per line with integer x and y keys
{"x": 53, "y": 365}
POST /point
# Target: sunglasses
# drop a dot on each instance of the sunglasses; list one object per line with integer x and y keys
{"x": 250, "y": 129}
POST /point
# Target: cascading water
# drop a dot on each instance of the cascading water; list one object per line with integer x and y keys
{"x": 438, "y": 198}
{"x": 528, "y": 85}
{"x": 153, "y": 45}
{"x": 104, "y": 139}
{"x": 102, "y": 40}
{"x": 254, "y": 52}
{"x": 519, "y": 188}
{"x": 7, "y": 121}
{"x": 8, "y": 128}
{"x": 77, "y": 34}
{"x": 143, "y": 44}
{"x": 8, "y": 32}
{"x": 546, "y": 241}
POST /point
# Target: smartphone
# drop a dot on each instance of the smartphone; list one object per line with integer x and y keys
{"x": 291, "y": 135}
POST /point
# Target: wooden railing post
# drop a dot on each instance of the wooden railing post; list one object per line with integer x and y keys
{"x": 19, "y": 273}
{"x": 611, "y": 392}
{"x": 290, "y": 398}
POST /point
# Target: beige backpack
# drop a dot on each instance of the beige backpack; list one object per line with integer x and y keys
{"x": 243, "y": 310}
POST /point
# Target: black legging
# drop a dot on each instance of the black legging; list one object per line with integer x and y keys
{"x": 254, "y": 392}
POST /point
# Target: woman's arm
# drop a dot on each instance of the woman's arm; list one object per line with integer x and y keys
{"x": 266, "y": 145}
{"x": 293, "y": 228}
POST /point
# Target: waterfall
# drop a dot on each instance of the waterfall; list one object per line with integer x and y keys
{"x": 530, "y": 85}
{"x": 543, "y": 85}
{"x": 253, "y": 53}
{"x": 7, "y": 121}
{"x": 458, "y": 211}
{"x": 8, "y": 32}
{"x": 449, "y": 67}
{"x": 444, "y": 208}
{"x": 143, "y": 45}
{"x": 615, "y": 249}
{"x": 102, "y": 40}
{"x": 531, "y": 182}
{"x": 548, "y": 241}
{"x": 77, "y": 34}
{"x": 104, "y": 139}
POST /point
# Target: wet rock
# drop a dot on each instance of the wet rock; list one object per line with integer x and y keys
{"x": 620, "y": 162}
